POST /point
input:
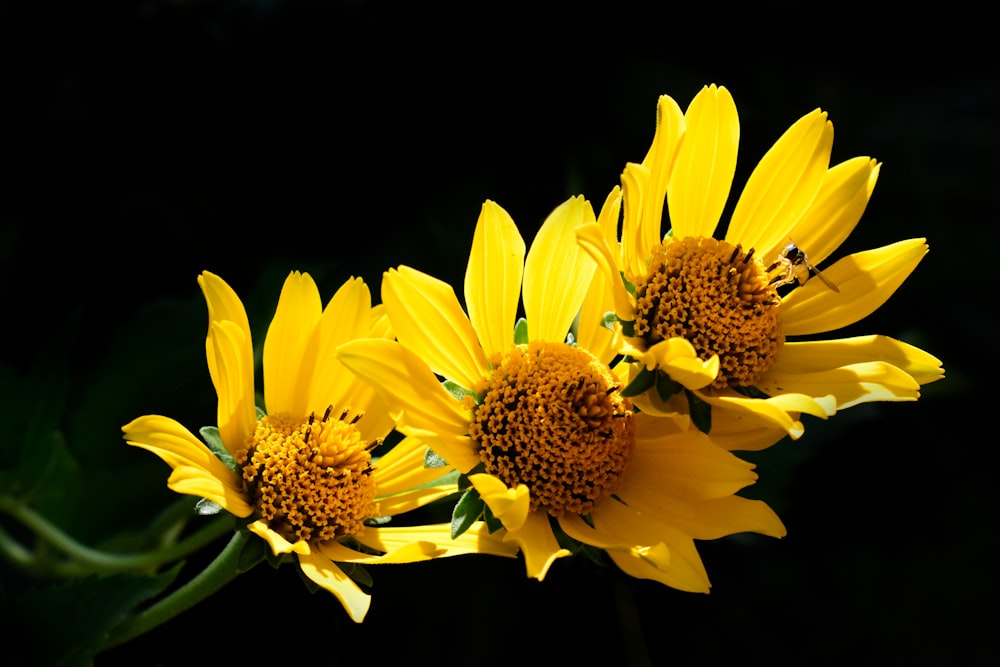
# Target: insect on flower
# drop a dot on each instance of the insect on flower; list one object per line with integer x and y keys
{"x": 795, "y": 268}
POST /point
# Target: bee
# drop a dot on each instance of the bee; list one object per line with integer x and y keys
{"x": 795, "y": 268}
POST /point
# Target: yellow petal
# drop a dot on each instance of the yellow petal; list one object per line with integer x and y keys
{"x": 403, "y": 551}
{"x": 642, "y": 546}
{"x": 196, "y": 470}
{"x": 224, "y": 305}
{"x": 850, "y": 385}
{"x": 402, "y": 468}
{"x": 738, "y": 432}
{"x": 428, "y": 319}
{"x": 865, "y": 279}
{"x": 706, "y": 162}
{"x": 777, "y": 411}
{"x": 678, "y": 359}
{"x": 330, "y": 577}
{"x": 237, "y": 413}
{"x": 783, "y": 185}
{"x": 287, "y": 369}
{"x": 416, "y": 399}
{"x": 833, "y": 215}
{"x": 510, "y": 506}
{"x": 640, "y": 231}
{"x": 592, "y": 239}
{"x": 347, "y": 316}
{"x": 279, "y": 545}
{"x": 657, "y": 170}
{"x": 476, "y": 540}
{"x": 812, "y": 356}
{"x": 684, "y": 466}
{"x": 493, "y": 278}
{"x": 407, "y": 501}
{"x": 557, "y": 272}
{"x": 538, "y": 544}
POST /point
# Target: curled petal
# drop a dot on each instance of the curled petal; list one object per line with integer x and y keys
{"x": 279, "y": 545}
{"x": 813, "y": 356}
{"x": 510, "y": 506}
{"x": 678, "y": 359}
{"x": 850, "y": 385}
{"x": 327, "y": 575}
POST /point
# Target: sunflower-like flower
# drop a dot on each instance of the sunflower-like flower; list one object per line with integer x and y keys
{"x": 531, "y": 413}
{"x": 302, "y": 475}
{"x": 708, "y": 319}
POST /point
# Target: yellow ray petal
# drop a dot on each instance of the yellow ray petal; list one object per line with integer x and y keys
{"x": 866, "y": 280}
{"x": 407, "y": 501}
{"x": 493, "y": 278}
{"x": 404, "y": 551}
{"x": 330, "y": 577}
{"x": 237, "y": 413}
{"x": 279, "y": 545}
{"x": 428, "y": 319}
{"x": 685, "y": 466}
{"x": 658, "y": 169}
{"x": 557, "y": 272}
{"x": 812, "y": 356}
{"x": 592, "y": 239}
{"x": 224, "y": 305}
{"x": 417, "y": 401}
{"x": 538, "y": 544}
{"x": 777, "y": 411}
{"x": 648, "y": 549}
{"x": 197, "y": 471}
{"x": 833, "y": 215}
{"x": 706, "y": 162}
{"x": 347, "y": 316}
{"x": 640, "y": 234}
{"x": 287, "y": 369}
{"x": 850, "y": 385}
{"x": 402, "y": 468}
{"x": 783, "y": 184}
{"x": 510, "y": 506}
{"x": 678, "y": 359}
{"x": 476, "y": 540}
{"x": 738, "y": 432}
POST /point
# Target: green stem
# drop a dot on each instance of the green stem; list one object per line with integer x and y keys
{"x": 102, "y": 561}
{"x": 219, "y": 572}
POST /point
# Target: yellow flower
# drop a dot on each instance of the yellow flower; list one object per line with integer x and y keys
{"x": 303, "y": 476}
{"x": 708, "y": 318}
{"x": 534, "y": 418}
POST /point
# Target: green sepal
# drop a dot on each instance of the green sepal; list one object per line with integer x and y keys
{"x": 629, "y": 286}
{"x": 665, "y": 387}
{"x": 646, "y": 379}
{"x": 432, "y": 460}
{"x": 609, "y": 320}
{"x": 254, "y": 551}
{"x": 493, "y": 524}
{"x": 206, "y": 507}
{"x": 521, "y": 332}
{"x": 628, "y": 328}
{"x": 467, "y": 511}
{"x": 210, "y": 434}
{"x": 456, "y": 390}
{"x": 358, "y": 573}
{"x": 701, "y": 412}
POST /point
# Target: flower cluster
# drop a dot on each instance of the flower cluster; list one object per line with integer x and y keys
{"x": 590, "y": 392}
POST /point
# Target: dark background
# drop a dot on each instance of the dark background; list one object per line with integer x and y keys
{"x": 145, "y": 142}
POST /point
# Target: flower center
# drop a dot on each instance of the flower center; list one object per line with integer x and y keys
{"x": 719, "y": 299}
{"x": 552, "y": 419}
{"x": 310, "y": 479}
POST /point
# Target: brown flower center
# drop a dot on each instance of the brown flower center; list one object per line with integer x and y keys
{"x": 310, "y": 479}
{"x": 552, "y": 419}
{"x": 718, "y": 298}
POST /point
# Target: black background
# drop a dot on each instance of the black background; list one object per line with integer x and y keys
{"x": 145, "y": 142}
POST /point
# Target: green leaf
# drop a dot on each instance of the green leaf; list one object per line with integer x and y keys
{"x": 210, "y": 434}
{"x": 628, "y": 328}
{"x": 493, "y": 524}
{"x": 67, "y": 624}
{"x": 467, "y": 511}
{"x": 521, "y": 332}
{"x": 646, "y": 379}
{"x": 701, "y": 412}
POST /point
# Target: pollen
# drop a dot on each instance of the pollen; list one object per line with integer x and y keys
{"x": 719, "y": 298}
{"x": 552, "y": 418}
{"x": 310, "y": 479}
